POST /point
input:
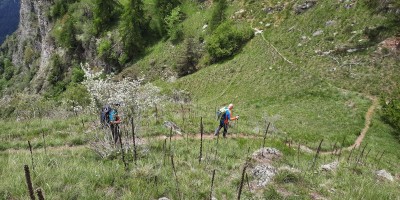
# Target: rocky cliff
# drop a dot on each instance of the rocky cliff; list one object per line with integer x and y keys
{"x": 32, "y": 45}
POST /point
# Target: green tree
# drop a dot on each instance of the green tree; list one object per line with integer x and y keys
{"x": 163, "y": 9}
{"x": 227, "y": 39}
{"x": 132, "y": 28}
{"x": 391, "y": 110}
{"x": 78, "y": 75}
{"x": 8, "y": 69}
{"x": 174, "y": 28}
{"x": 188, "y": 61}
{"x": 105, "y": 13}
{"x": 56, "y": 70}
{"x": 66, "y": 35}
{"x": 217, "y": 14}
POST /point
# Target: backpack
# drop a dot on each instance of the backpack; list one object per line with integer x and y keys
{"x": 112, "y": 115}
{"x": 104, "y": 115}
{"x": 221, "y": 112}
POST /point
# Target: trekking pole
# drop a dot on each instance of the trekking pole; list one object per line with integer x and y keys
{"x": 237, "y": 126}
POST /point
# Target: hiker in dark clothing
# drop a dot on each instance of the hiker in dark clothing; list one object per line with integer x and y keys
{"x": 224, "y": 119}
{"x": 115, "y": 120}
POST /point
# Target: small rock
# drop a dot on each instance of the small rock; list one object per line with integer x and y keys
{"x": 163, "y": 198}
{"x": 304, "y": 7}
{"x": 317, "y": 33}
{"x": 330, "y": 167}
{"x": 267, "y": 25}
{"x": 205, "y": 26}
{"x": 240, "y": 14}
{"x": 267, "y": 151}
{"x": 383, "y": 174}
{"x": 257, "y": 31}
{"x": 330, "y": 23}
{"x": 351, "y": 50}
{"x": 268, "y": 10}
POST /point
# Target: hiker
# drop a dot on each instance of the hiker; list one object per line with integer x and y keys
{"x": 114, "y": 121}
{"x": 104, "y": 116}
{"x": 224, "y": 115}
{"x": 109, "y": 118}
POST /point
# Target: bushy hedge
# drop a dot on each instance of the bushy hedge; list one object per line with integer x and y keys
{"x": 227, "y": 39}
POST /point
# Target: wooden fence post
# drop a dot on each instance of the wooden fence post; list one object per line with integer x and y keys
{"x": 316, "y": 155}
{"x": 134, "y": 142}
{"x": 201, "y": 139}
{"x": 212, "y": 184}
{"x": 265, "y": 135}
{"x": 241, "y": 181}
{"x": 29, "y": 182}
{"x": 40, "y": 194}
{"x": 30, "y": 149}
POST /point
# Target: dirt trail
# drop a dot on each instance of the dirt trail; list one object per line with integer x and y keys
{"x": 360, "y": 138}
{"x": 206, "y": 136}
{"x": 357, "y": 142}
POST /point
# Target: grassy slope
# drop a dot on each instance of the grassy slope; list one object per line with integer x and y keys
{"x": 302, "y": 100}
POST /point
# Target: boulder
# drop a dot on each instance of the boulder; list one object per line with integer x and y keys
{"x": 383, "y": 174}
{"x": 263, "y": 174}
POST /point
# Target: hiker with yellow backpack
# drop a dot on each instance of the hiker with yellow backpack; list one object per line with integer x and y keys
{"x": 224, "y": 116}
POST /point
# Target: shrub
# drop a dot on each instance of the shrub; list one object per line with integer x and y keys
{"x": 163, "y": 8}
{"x": 217, "y": 15}
{"x": 174, "y": 28}
{"x": 105, "y": 14}
{"x": 227, "y": 39}
{"x": 190, "y": 58}
{"x": 78, "y": 75}
{"x": 76, "y": 93}
{"x": 391, "y": 112}
{"x": 8, "y": 69}
{"x": 56, "y": 69}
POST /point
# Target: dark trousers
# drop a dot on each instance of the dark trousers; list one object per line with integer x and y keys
{"x": 222, "y": 125}
{"x": 115, "y": 132}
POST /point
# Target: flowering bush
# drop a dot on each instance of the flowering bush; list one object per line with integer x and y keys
{"x": 133, "y": 95}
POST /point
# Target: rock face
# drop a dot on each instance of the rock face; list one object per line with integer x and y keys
{"x": 34, "y": 29}
{"x": 383, "y": 174}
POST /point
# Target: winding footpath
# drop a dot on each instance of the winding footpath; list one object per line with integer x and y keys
{"x": 360, "y": 138}
{"x": 357, "y": 142}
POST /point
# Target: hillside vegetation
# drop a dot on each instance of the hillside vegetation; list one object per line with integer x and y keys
{"x": 310, "y": 71}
